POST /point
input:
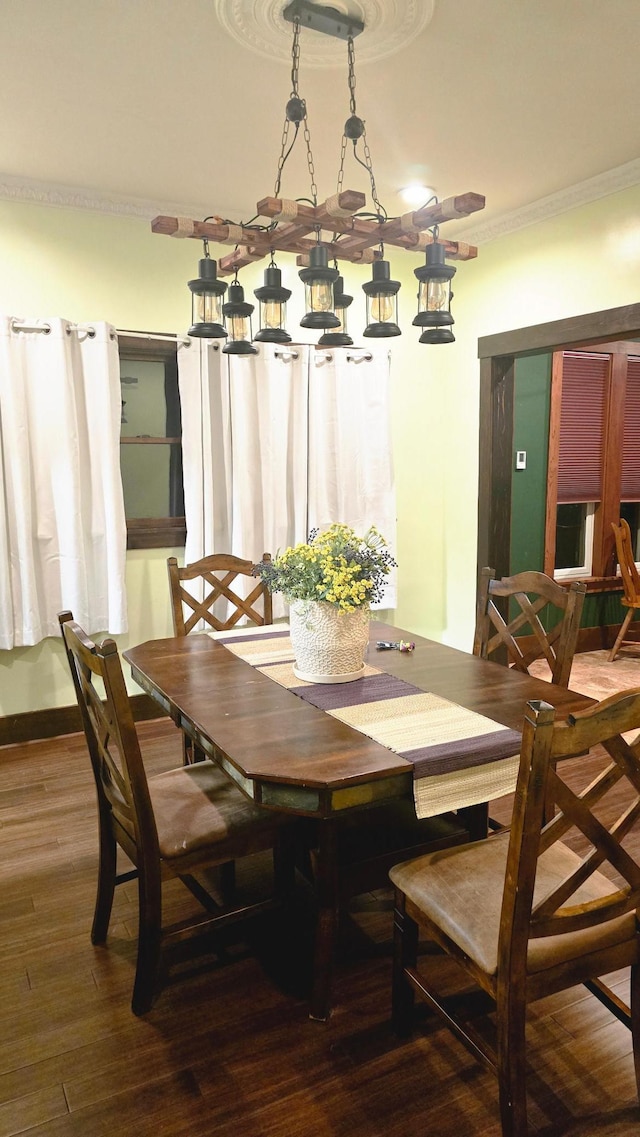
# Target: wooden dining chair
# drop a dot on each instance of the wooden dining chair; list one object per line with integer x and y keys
{"x": 219, "y": 577}
{"x": 170, "y": 825}
{"x": 520, "y": 638}
{"x": 540, "y": 909}
{"x": 630, "y": 581}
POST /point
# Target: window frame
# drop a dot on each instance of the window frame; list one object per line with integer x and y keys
{"x": 152, "y": 532}
{"x": 578, "y": 572}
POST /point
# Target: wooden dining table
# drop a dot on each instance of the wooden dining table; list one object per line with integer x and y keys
{"x": 286, "y": 754}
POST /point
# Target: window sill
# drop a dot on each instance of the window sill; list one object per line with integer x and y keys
{"x": 156, "y": 532}
{"x": 595, "y": 583}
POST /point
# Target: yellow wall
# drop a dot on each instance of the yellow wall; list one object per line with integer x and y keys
{"x": 87, "y": 266}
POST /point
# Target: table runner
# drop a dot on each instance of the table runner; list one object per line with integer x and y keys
{"x": 458, "y": 757}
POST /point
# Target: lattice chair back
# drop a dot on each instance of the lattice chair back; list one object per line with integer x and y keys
{"x": 630, "y": 580}
{"x": 219, "y": 576}
{"x": 523, "y": 638}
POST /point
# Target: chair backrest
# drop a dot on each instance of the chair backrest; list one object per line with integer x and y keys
{"x": 628, "y": 570}
{"x": 107, "y": 719}
{"x": 217, "y": 574}
{"x": 523, "y": 639}
{"x": 602, "y": 815}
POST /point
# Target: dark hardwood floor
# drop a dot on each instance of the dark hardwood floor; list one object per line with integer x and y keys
{"x": 229, "y": 1050}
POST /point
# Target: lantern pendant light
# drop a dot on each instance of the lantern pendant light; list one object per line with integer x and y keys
{"x": 238, "y": 315}
{"x": 273, "y": 302}
{"x": 341, "y": 301}
{"x": 318, "y": 280}
{"x": 434, "y": 296}
{"x": 382, "y": 302}
{"x": 345, "y": 230}
{"x": 206, "y": 300}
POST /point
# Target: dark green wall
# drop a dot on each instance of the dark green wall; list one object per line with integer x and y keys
{"x": 602, "y": 609}
{"x": 529, "y": 487}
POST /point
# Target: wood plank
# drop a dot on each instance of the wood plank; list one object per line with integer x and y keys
{"x": 253, "y": 244}
{"x": 592, "y": 328}
{"x": 32, "y": 1110}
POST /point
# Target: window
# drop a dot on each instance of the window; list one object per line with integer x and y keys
{"x": 594, "y": 458}
{"x": 574, "y": 539}
{"x": 150, "y": 442}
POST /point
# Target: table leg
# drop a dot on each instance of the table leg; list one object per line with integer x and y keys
{"x": 327, "y": 919}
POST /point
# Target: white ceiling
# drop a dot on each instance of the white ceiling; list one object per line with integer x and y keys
{"x": 154, "y": 101}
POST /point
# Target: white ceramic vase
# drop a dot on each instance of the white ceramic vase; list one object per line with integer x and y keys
{"x": 329, "y": 645}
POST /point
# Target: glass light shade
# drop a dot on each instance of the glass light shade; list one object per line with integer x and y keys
{"x": 206, "y": 302}
{"x": 273, "y": 307}
{"x": 382, "y": 303}
{"x": 318, "y": 280}
{"x": 382, "y": 308}
{"x": 318, "y": 296}
{"x": 207, "y": 308}
{"x": 341, "y": 302}
{"x": 433, "y": 296}
{"x": 238, "y": 314}
{"x": 239, "y": 328}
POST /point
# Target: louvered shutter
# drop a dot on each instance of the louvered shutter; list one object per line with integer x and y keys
{"x": 582, "y": 417}
{"x": 630, "y": 490}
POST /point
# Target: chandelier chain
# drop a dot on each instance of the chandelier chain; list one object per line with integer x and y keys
{"x": 295, "y": 58}
{"x": 351, "y": 77}
{"x": 283, "y": 157}
{"x": 310, "y": 164}
{"x": 343, "y": 151}
{"x": 296, "y": 115}
{"x": 380, "y": 210}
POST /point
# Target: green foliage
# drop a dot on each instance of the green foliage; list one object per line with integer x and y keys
{"x": 336, "y": 566}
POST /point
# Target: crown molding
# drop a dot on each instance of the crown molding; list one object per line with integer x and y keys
{"x": 29, "y": 190}
{"x": 611, "y": 181}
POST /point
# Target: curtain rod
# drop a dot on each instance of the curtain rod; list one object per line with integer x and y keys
{"x": 154, "y": 336}
{"x": 25, "y": 326}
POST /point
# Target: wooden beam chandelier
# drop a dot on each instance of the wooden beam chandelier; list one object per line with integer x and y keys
{"x": 337, "y": 229}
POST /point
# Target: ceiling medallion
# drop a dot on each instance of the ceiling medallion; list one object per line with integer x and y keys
{"x": 389, "y": 26}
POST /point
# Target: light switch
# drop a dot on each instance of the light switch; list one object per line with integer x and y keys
{"x": 521, "y": 459}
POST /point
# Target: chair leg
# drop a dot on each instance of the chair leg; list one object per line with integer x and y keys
{"x": 405, "y": 954}
{"x": 106, "y": 883}
{"x": 511, "y": 1016}
{"x": 475, "y": 819}
{"x": 149, "y": 940}
{"x": 635, "y": 1021}
{"x": 187, "y": 751}
{"x": 621, "y": 634}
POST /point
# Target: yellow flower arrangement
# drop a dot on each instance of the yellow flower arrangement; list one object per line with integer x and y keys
{"x": 336, "y": 566}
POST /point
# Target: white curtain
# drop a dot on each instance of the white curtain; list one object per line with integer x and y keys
{"x": 268, "y": 395}
{"x": 203, "y": 383}
{"x": 62, "y": 522}
{"x": 350, "y": 449}
{"x": 280, "y": 442}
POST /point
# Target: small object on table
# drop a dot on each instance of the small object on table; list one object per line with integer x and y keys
{"x": 398, "y": 645}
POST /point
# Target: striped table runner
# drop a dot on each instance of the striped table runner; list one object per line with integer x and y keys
{"x": 459, "y": 757}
